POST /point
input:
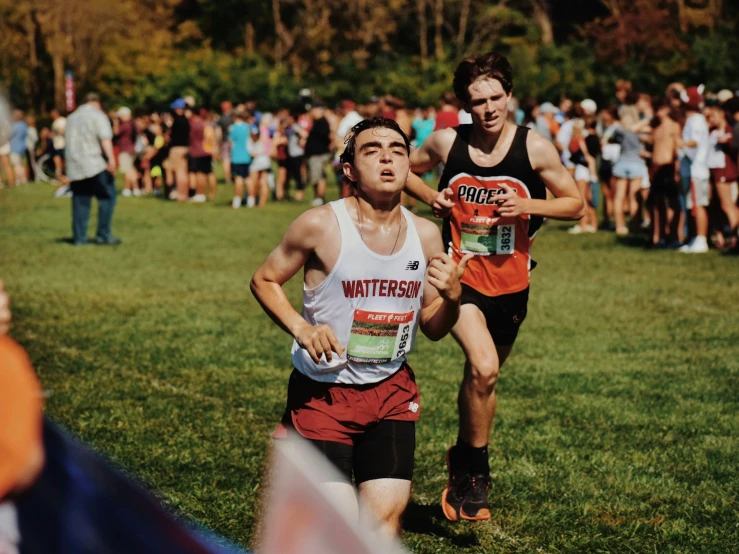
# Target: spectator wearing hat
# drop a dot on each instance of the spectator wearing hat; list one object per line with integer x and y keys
{"x": 548, "y": 111}
{"x": 90, "y": 168}
{"x": 694, "y": 173}
{"x": 533, "y": 119}
{"x": 179, "y": 141}
{"x": 724, "y": 96}
{"x": 124, "y": 138}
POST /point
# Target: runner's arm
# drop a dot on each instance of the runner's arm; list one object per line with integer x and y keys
{"x": 567, "y": 203}
{"x": 424, "y": 159}
{"x": 419, "y": 190}
{"x": 299, "y": 242}
{"x": 442, "y": 289}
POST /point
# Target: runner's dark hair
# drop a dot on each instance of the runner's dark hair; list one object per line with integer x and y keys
{"x": 378, "y": 122}
{"x": 493, "y": 65}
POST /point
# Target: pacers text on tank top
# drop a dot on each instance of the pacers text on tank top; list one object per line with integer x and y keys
{"x": 372, "y": 304}
{"x": 501, "y": 245}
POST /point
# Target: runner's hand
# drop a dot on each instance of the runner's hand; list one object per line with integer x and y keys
{"x": 443, "y": 204}
{"x": 445, "y": 275}
{"x": 111, "y": 167}
{"x": 5, "y": 315}
{"x": 510, "y": 204}
{"x": 319, "y": 340}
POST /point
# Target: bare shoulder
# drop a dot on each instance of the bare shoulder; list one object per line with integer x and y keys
{"x": 429, "y": 234}
{"x": 542, "y": 153}
{"x": 441, "y": 141}
{"x": 312, "y": 227}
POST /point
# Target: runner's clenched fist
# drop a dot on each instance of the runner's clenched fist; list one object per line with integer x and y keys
{"x": 318, "y": 340}
{"x": 445, "y": 275}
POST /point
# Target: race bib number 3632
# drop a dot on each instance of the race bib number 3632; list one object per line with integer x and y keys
{"x": 480, "y": 236}
{"x": 379, "y": 337}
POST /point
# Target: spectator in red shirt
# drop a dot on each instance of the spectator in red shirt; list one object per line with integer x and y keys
{"x": 448, "y": 115}
{"x": 124, "y": 138}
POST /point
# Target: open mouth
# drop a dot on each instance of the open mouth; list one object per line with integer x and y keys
{"x": 389, "y": 173}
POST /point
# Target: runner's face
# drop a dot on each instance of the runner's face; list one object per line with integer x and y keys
{"x": 488, "y": 104}
{"x": 381, "y": 161}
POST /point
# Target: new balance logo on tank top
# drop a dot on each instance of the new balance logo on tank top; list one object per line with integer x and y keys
{"x": 372, "y": 304}
{"x": 502, "y": 261}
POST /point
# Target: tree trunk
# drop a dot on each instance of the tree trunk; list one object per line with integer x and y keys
{"x": 57, "y": 62}
{"x": 681, "y": 15}
{"x": 543, "y": 19}
{"x": 438, "y": 24}
{"x": 464, "y": 16}
{"x": 278, "y": 34}
{"x": 249, "y": 38}
{"x": 614, "y": 6}
{"x": 423, "y": 32}
{"x": 34, "y": 88}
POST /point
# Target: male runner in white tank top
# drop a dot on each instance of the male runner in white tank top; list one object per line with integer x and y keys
{"x": 493, "y": 196}
{"x": 374, "y": 273}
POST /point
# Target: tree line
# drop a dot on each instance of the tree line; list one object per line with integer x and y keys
{"x": 145, "y": 54}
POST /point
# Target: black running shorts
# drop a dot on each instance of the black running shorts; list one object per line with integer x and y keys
{"x": 503, "y": 314}
{"x": 384, "y": 451}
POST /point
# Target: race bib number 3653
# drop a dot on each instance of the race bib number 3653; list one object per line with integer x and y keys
{"x": 379, "y": 337}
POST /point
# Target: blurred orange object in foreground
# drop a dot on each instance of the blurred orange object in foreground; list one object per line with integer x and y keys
{"x": 21, "y": 450}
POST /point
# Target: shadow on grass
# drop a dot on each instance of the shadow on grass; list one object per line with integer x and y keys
{"x": 633, "y": 240}
{"x": 64, "y": 240}
{"x": 429, "y": 520}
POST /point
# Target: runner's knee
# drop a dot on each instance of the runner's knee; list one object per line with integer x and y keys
{"x": 390, "y": 517}
{"x": 484, "y": 374}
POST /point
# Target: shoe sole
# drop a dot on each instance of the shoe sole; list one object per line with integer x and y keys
{"x": 449, "y": 512}
{"x": 482, "y": 515}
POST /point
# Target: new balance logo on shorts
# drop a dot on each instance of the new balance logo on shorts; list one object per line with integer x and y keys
{"x": 412, "y": 266}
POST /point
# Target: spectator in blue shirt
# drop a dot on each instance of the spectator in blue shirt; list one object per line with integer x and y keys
{"x": 18, "y": 147}
{"x": 238, "y": 136}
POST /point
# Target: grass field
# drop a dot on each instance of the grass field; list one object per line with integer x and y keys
{"x": 618, "y": 424}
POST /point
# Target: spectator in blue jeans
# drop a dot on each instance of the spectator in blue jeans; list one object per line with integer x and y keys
{"x": 89, "y": 136}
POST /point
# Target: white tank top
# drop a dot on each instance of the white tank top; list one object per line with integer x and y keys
{"x": 372, "y": 304}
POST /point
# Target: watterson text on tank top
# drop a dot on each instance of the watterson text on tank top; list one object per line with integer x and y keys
{"x": 362, "y": 288}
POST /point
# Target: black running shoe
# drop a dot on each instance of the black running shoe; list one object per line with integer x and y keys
{"x": 465, "y": 495}
{"x": 475, "y": 505}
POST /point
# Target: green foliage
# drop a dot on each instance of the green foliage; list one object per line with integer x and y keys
{"x": 145, "y": 55}
{"x": 716, "y": 63}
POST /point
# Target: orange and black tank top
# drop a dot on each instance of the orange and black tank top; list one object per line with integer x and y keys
{"x": 501, "y": 245}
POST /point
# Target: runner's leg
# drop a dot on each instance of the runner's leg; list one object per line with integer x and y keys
{"x": 477, "y": 394}
{"x": 386, "y": 499}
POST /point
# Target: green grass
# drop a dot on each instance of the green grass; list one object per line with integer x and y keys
{"x": 618, "y": 425}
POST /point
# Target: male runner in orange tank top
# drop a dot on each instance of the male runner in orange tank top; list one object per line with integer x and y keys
{"x": 492, "y": 195}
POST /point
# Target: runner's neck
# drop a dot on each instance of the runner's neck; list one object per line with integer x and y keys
{"x": 380, "y": 213}
{"x": 487, "y": 142}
